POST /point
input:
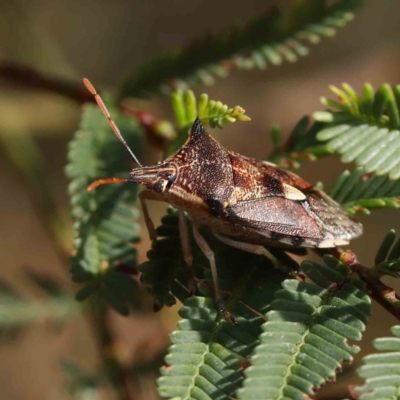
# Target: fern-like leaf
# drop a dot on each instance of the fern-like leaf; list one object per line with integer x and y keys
{"x": 17, "y": 312}
{"x": 165, "y": 272}
{"x": 267, "y": 40}
{"x": 214, "y": 113}
{"x": 203, "y": 360}
{"x": 210, "y": 112}
{"x": 304, "y": 342}
{"x": 358, "y": 191}
{"x": 301, "y": 146}
{"x": 105, "y": 227}
{"x": 387, "y": 259}
{"x": 364, "y": 128}
{"x": 381, "y": 371}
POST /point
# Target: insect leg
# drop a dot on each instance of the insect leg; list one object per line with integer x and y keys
{"x": 143, "y": 196}
{"x": 187, "y": 250}
{"x": 252, "y": 248}
{"x": 206, "y": 249}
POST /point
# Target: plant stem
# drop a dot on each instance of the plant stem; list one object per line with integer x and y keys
{"x": 381, "y": 293}
{"x": 116, "y": 373}
{"x": 28, "y": 164}
{"x": 31, "y": 79}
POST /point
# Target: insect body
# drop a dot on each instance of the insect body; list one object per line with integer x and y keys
{"x": 247, "y": 203}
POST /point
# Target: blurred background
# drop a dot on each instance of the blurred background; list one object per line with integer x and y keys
{"x": 106, "y": 41}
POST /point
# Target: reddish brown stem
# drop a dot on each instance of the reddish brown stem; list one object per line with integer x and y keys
{"x": 381, "y": 293}
{"x": 149, "y": 123}
{"x": 29, "y": 78}
{"x": 116, "y": 373}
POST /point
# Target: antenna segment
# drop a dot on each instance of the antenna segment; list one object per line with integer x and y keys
{"x": 106, "y": 113}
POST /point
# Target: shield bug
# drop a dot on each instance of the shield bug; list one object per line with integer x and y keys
{"x": 247, "y": 203}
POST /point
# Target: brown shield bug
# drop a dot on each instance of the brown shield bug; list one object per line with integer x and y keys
{"x": 247, "y": 203}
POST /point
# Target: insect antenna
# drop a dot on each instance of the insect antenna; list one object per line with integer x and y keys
{"x": 113, "y": 125}
{"x": 105, "y": 181}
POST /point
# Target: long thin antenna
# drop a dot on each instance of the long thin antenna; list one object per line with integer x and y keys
{"x": 113, "y": 125}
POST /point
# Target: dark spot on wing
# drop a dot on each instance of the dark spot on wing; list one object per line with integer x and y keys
{"x": 216, "y": 208}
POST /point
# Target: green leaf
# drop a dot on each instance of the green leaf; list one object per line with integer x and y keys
{"x": 387, "y": 259}
{"x": 18, "y": 313}
{"x": 204, "y": 359}
{"x": 304, "y": 342}
{"x": 210, "y": 112}
{"x": 381, "y": 370}
{"x": 302, "y": 145}
{"x": 385, "y": 247}
{"x": 266, "y": 40}
{"x": 105, "y": 219}
{"x": 165, "y": 272}
{"x": 365, "y": 128}
{"x": 358, "y": 191}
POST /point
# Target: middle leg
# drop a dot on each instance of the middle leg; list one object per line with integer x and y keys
{"x": 255, "y": 249}
{"x": 206, "y": 249}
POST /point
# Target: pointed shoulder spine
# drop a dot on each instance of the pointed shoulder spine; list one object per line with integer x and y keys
{"x": 197, "y": 129}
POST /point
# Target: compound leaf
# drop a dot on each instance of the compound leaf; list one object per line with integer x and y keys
{"x": 359, "y": 191}
{"x": 269, "y": 39}
{"x": 105, "y": 227}
{"x": 381, "y": 370}
{"x": 364, "y": 128}
{"x": 304, "y": 342}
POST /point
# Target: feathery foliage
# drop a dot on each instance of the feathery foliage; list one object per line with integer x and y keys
{"x": 210, "y": 112}
{"x": 364, "y": 128}
{"x": 105, "y": 227}
{"x": 214, "y": 113}
{"x": 304, "y": 342}
{"x": 204, "y": 359}
{"x": 266, "y": 40}
{"x": 18, "y": 313}
{"x": 358, "y": 191}
{"x": 165, "y": 272}
{"x": 381, "y": 370}
{"x": 387, "y": 260}
{"x": 302, "y": 145}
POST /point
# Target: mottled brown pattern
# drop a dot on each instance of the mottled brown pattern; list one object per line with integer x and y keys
{"x": 251, "y": 200}
{"x": 252, "y": 182}
{"x": 274, "y": 171}
{"x": 205, "y": 171}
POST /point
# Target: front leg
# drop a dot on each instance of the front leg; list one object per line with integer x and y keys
{"x": 149, "y": 195}
{"x": 187, "y": 250}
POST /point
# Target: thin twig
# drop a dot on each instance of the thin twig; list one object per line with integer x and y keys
{"x": 29, "y": 78}
{"x": 160, "y": 132}
{"x": 381, "y": 293}
{"x": 116, "y": 373}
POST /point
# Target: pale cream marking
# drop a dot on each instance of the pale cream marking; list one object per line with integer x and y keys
{"x": 332, "y": 243}
{"x": 291, "y": 193}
